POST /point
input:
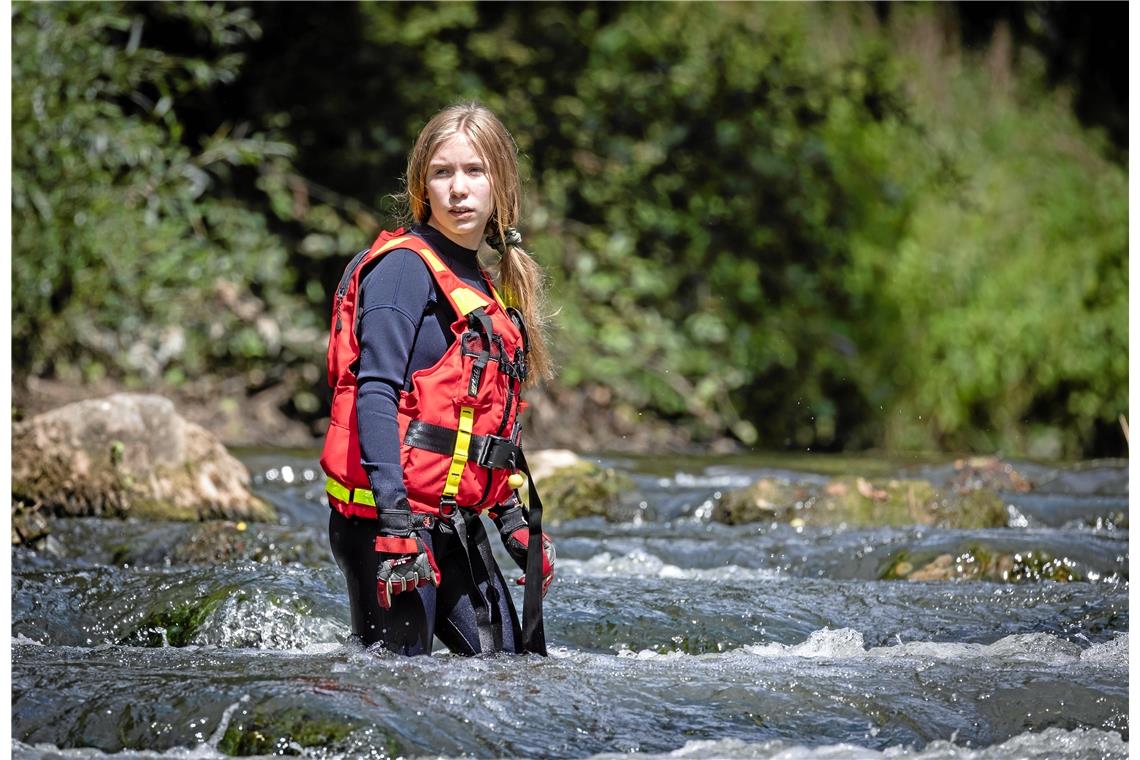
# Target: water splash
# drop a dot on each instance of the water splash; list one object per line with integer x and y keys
{"x": 1050, "y": 744}
{"x": 640, "y": 564}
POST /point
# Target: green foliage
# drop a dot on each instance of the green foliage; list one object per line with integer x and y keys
{"x": 792, "y": 224}
{"x": 1000, "y": 304}
{"x": 132, "y": 256}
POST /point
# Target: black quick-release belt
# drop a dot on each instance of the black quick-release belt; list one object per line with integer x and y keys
{"x": 490, "y": 451}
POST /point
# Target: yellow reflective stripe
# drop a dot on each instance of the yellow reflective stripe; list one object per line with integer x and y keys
{"x": 336, "y": 489}
{"x": 462, "y": 444}
{"x": 495, "y": 293}
{"x": 436, "y": 264}
{"x": 393, "y": 243}
{"x": 467, "y": 300}
{"x": 341, "y": 492}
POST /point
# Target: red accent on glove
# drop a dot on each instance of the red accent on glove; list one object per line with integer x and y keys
{"x": 404, "y": 572}
{"x": 397, "y": 545}
{"x": 522, "y": 536}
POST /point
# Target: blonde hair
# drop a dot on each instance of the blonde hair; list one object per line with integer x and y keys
{"x": 521, "y": 280}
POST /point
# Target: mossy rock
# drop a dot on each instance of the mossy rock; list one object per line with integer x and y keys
{"x": 177, "y": 623}
{"x": 989, "y": 473}
{"x": 766, "y": 500}
{"x": 860, "y": 502}
{"x": 978, "y": 562}
{"x": 584, "y": 489}
{"x": 906, "y": 502}
{"x": 288, "y": 730}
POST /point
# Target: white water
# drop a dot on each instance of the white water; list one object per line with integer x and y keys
{"x": 761, "y": 641}
{"x": 1050, "y": 744}
{"x": 640, "y": 564}
{"x": 846, "y": 643}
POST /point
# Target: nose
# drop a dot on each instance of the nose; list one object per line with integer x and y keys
{"x": 459, "y": 185}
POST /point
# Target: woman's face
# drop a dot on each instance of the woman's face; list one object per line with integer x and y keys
{"x": 459, "y": 191}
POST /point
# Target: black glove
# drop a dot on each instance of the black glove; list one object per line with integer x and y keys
{"x": 510, "y": 519}
{"x": 406, "y": 563}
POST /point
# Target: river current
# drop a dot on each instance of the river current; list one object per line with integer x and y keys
{"x": 670, "y": 636}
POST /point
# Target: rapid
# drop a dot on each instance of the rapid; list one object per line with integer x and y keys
{"x": 671, "y": 636}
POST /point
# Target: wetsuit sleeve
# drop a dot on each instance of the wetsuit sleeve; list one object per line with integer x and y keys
{"x": 393, "y": 299}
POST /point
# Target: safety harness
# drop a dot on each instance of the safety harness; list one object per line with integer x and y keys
{"x": 459, "y": 426}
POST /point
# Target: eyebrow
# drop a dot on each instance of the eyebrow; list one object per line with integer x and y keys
{"x": 479, "y": 161}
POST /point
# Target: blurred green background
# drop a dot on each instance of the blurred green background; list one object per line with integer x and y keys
{"x": 833, "y": 227}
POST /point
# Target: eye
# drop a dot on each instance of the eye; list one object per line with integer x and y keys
{"x": 439, "y": 171}
{"x": 475, "y": 169}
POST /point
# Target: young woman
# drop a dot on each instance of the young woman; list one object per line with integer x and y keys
{"x": 428, "y": 361}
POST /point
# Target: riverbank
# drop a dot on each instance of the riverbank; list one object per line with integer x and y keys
{"x": 244, "y": 417}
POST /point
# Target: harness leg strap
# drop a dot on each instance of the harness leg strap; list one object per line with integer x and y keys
{"x": 488, "y": 618}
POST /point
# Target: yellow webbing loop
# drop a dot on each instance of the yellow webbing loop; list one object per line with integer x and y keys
{"x": 467, "y": 300}
{"x": 459, "y": 458}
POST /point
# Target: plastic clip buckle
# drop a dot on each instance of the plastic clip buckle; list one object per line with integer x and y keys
{"x": 498, "y": 453}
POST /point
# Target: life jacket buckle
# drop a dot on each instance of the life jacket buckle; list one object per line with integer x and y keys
{"x": 498, "y": 453}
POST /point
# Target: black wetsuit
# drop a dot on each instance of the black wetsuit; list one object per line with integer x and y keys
{"x": 405, "y": 326}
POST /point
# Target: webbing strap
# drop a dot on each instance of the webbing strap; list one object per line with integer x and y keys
{"x": 459, "y": 457}
{"x": 488, "y": 617}
{"x": 534, "y": 637}
{"x": 492, "y": 452}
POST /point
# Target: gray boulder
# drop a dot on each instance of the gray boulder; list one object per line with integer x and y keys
{"x": 128, "y": 455}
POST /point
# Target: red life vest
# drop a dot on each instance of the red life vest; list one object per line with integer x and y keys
{"x": 459, "y": 423}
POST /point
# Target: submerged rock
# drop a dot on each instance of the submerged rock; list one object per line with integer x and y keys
{"x": 128, "y": 455}
{"x": 278, "y": 727}
{"x": 857, "y": 501}
{"x": 571, "y": 487}
{"x": 176, "y": 624}
{"x": 225, "y": 541}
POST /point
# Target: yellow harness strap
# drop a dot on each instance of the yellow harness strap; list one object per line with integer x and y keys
{"x": 459, "y": 458}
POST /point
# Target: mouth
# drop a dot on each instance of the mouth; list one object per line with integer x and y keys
{"x": 461, "y": 211}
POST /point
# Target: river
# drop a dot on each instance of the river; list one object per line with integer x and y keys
{"x": 670, "y": 636}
